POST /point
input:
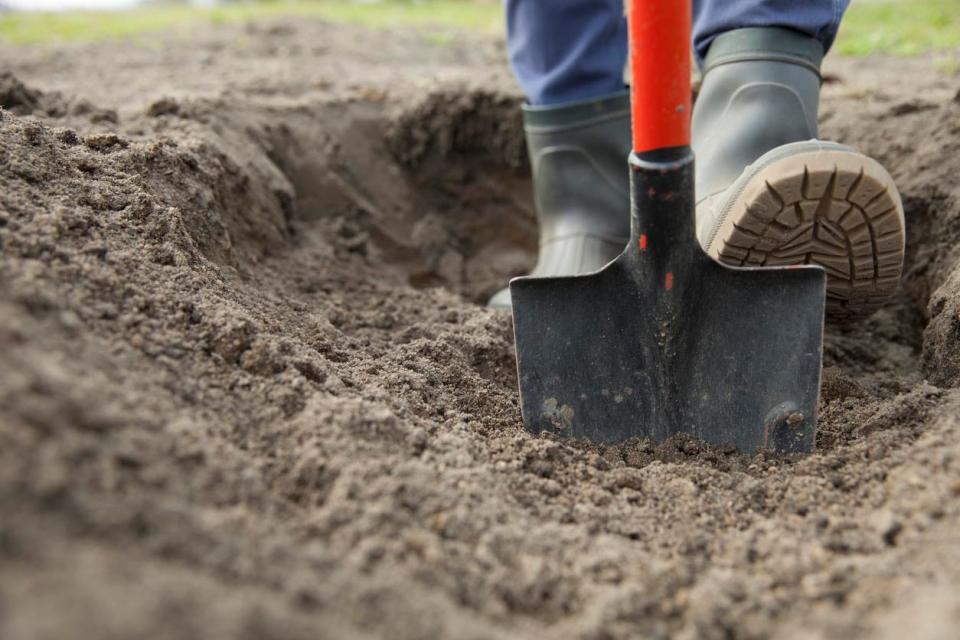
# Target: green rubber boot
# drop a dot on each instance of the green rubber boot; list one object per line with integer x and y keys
{"x": 769, "y": 193}
{"x": 581, "y": 185}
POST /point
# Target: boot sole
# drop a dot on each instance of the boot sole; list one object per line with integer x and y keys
{"x": 818, "y": 203}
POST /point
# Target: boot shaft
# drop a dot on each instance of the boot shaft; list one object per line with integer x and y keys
{"x": 760, "y": 90}
{"x": 578, "y": 155}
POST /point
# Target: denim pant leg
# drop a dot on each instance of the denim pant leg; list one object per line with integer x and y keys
{"x": 565, "y": 51}
{"x": 819, "y": 19}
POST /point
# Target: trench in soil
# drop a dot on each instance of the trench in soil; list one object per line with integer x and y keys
{"x": 437, "y": 195}
{"x": 432, "y": 203}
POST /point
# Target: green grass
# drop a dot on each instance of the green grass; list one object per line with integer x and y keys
{"x": 899, "y": 27}
{"x": 26, "y": 28}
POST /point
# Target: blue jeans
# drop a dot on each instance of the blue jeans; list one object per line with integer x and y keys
{"x": 569, "y": 50}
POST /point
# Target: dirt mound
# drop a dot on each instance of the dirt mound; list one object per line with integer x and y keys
{"x": 246, "y": 389}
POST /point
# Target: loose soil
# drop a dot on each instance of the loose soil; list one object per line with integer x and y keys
{"x": 248, "y": 390}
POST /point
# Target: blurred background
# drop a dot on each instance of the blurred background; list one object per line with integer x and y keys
{"x": 895, "y": 27}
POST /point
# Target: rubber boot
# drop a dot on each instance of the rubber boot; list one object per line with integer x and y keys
{"x": 578, "y": 154}
{"x": 769, "y": 193}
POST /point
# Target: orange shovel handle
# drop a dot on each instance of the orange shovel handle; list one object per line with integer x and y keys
{"x": 660, "y": 73}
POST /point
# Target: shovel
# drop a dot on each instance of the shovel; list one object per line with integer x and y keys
{"x": 664, "y": 340}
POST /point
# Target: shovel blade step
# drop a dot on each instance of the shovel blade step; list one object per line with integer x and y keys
{"x": 739, "y": 364}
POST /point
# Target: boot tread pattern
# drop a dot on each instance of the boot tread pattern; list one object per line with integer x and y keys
{"x": 846, "y": 218}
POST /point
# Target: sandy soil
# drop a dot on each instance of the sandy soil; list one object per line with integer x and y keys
{"x": 246, "y": 390}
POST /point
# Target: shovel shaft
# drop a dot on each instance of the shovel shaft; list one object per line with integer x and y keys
{"x": 660, "y": 73}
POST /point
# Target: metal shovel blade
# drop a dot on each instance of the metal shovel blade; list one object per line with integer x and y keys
{"x": 664, "y": 340}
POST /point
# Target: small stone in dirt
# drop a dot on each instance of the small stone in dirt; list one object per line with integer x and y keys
{"x": 887, "y": 526}
{"x": 67, "y": 136}
{"x": 541, "y": 468}
{"x": 165, "y": 254}
{"x": 105, "y": 141}
{"x": 835, "y": 385}
{"x": 288, "y": 397}
{"x": 311, "y": 369}
{"x": 599, "y": 463}
{"x": 95, "y": 249}
{"x": 70, "y": 321}
{"x": 163, "y": 107}
{"x": 627, "y": 478}
{"x": 33, "y": 132}
{"x": 264, "y": 357}
{"x": 417, "y": 440}
{"x": 821, "y": 521}
{"x": 231, "y": 338}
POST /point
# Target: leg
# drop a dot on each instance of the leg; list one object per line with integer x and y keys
{"x": 818, "y": 19}
{"x": 566, "y": 50}
{"x": 569, "y": 57}
{"x": 768, "y": 192}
